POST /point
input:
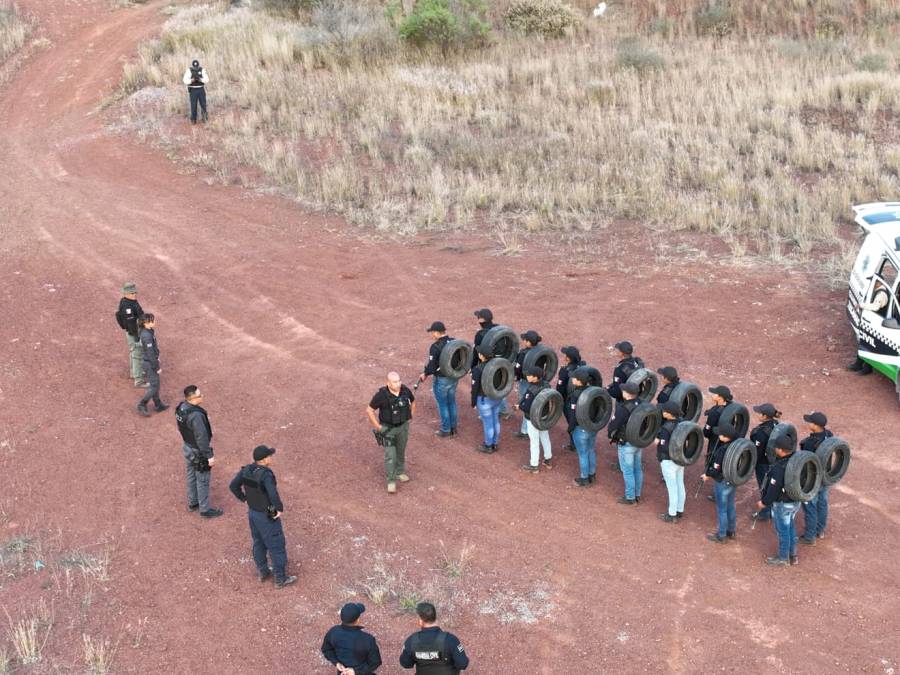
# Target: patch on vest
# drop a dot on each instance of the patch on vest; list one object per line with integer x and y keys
{"x": 428, "y": 656}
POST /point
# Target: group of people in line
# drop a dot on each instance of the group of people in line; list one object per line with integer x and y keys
{"x": 393, "y": 406}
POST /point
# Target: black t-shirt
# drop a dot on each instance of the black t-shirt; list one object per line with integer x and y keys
{"x": 385, "y": 403}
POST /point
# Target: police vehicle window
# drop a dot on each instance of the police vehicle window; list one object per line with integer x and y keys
{"x": 889, "y": 273}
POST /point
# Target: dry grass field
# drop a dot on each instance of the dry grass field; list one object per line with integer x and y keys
{"x": 761, "y": 123}
{"x": 13, "y": 30}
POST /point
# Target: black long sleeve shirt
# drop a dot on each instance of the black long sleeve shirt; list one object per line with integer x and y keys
{"x": 352, "y": 647}
{"x": 714, "y": 470}
{"x": 571, "y": 406}
{"x": 479, "y": 336}
{"x": 663, "y": 439}
{"x": 266, "y": 478}
{"x": 665, "y": 392}
{"x": 621, "y": 413}
{"x": 562, "y": 382}
{"x": 773, "y": 487}
{"x": 476, "y": 382}
{"x": 811, "y": 443}
{"x": 433, "y": 366}
{"x": 150, "y": 348}
{"x": 528, "y": 397}
{"x": 520, "y": 359}
{"x": 621, "y": 373}
{"x": 128, "y": 314}
{"x": 760, "y": 437}
{"x": 709, "y": 429}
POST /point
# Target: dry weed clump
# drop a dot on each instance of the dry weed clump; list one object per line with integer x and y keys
{"x": 712, "y": 136}
{"x": 14, "y": 29}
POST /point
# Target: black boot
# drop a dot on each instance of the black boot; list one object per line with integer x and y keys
{"x": 865, "y": 370}
{"x": 856, "y": 365}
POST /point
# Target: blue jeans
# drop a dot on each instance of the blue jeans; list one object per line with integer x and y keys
{"x": 585, "y": 444}
{"x": 632, "y": 471}
{"x": 268, "y": 535}
{"x": 815, "y": 515}
{"x": 674, "y": 475}
{"x": 444, "y": 389}
{"x": 489, "y": 412}
{"x": 761, "y": 470}
{"x": 727, "y": 516}
{"x": 783, "y": 515}
{"x": 523, "y": 385}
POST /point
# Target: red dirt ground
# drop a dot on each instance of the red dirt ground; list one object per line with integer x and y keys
{"x": 289, "y": 321}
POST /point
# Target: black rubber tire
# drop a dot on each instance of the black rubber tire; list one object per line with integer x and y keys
{"x": 503, "y": 342}
{"x": 739, "y": 462}
{"x": 686, "y": 443}
{"x": 647, "y": 381}
{"x": 543, "y": 357}
{"x": 497, "y": 378}
{"x": 593, "y": 408}
{"x": 456, "y": 359}
{"x": 734, "y": 421}
{"x": 834, "y": 456}
{"x": 803, "y": 476}
{"x": 643, "y": 425}
{"x": 546, "y": 409}
{"x": 781, "y": 429}
{"x": 690, "y": 398}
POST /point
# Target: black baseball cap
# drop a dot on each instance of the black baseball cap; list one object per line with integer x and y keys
{"x": 582, "y": 374}
{"x": 782, "y": 442}
{"x": 485, "y": 314}
{"x": 630, "y": 388}
{"x": 534, "y": 371}
{"x": 624, "y": 346}
{"x": 261, "y": 452}
{"x": 352, "y": 611}
{"x": 672, "y": 408}
{"x": 766, "y": 409}
{"x": 484, "y": 349}
{"x": 572, "y": 353}
{"x": 668, "y": 372}
{"x": 816, "y": 418}
{"x": 531, "y": 336}
{"x": 722, "y": 391}
{"x": 436, "y": 326}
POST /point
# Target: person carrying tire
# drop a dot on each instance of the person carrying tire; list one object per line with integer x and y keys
{"x": 768, "y": 418}
{"x": 573, "y": 361}
{"x": 537, "y": 439}
{"x": 585, "y": 441}
{"x": 784, "y": 509}
{"x": 485, "y": 319}
{"x": 348, "y": 647}
{"x": 199, "y": 457}
{"x": 670, "y": 380}
{"x": 723, "y": 493}
{"x": 531, "y": 339}
{"x": 389, "y": 412}
{"x": 629, "y": 455}
{"x": 721, "y": 396}
{"x": 815, "y": 511}
{"x": 196, "y": 79}
{"x": 127, "y": 316}
{"x": 150, "y": 364}
{"x": 488, "y": 408}
{"x": 443, "y": 388}
{"x": 255, "y": 485}
{"x": 628, "y": 363}
{"x": 673, "y": 473}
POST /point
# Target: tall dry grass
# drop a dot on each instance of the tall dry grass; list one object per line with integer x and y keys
{"x": 762, "y": 140}
{"x": 14, "y": 29}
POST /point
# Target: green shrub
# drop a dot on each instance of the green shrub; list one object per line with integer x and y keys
{"x": 714, "y": 19}
{"x": 549, "y": 18}
{"x": 445, "y": 23}
{"x": 873, "y": 62}
{"x": 633, "y": 53}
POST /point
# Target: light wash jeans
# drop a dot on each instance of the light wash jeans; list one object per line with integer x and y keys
{"x": 674, "y": 475}
{"x": 727, "y": 516}
{"x": 489, "y": 412}
{"x": 815, "y": 515}
{"x": 632, "y": 471}
{"x": 784, "y": 516}
{"x": 444, "y": 389}
{"x": 538, "y": 439}
{"x": 585, "y": 444}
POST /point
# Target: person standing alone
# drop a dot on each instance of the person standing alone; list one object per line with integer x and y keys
{"x": 196, "y": 79}
{"x": 196, "y": 432}
{"x": 127, "y": 316}
{"x": 395, "y": 406}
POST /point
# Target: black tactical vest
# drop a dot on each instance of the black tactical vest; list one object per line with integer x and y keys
{"x": 430, "y": 652}
{"x": 398, "y": 410}
{"x": 182, "y": 412}
{"x": 251, "y": 480}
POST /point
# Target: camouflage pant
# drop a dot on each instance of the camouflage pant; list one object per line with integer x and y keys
{"x": 134, "y": 350}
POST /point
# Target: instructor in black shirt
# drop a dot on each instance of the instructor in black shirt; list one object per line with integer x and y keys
{"x": 389, "y": 412}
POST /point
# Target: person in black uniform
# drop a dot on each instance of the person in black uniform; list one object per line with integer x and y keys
{"x": 784, "y": 509}
{"x": 585, "y": 441}
{"x": 433, "y": 651}
{"x": 127, "y": 316}
{"x": 488, "y": 408}
{"x": 349, "y": 647}
{"x": 486, "y": 322}
{"x": 196, "y": 434}
{"x": 673, "y": 474}
{"x": 150, "y": 363}
{"x": 815, "y": 512}
{"x": 395, "y": 406}
{"x": 444, "y": 388}
{"x": 721, "y": 396}
{"x": 572, "y": 361}
{"x": 723, "y": 493}
{"x": 255, "y": 484}
{"x": 531, "y": 340}
{"x": 629, "y": 455}
{"x": 670, "y": 380}
{"x": 628, "y": 363}
{"x": 768, "y": 418}
{"x": 537, "y": 438}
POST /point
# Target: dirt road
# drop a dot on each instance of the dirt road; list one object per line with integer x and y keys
{"x": 289, "y": 321}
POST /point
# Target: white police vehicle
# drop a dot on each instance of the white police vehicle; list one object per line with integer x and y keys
{"x": 877, "y": 265}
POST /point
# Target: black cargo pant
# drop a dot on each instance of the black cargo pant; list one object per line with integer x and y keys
{"x": 152, "y": 378}
{"x": 198, "y": 95}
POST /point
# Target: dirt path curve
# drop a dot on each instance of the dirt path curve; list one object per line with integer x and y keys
{"x": 289, "y": 321}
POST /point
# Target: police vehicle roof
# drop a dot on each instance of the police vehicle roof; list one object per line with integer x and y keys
{"x": 881, "y": 219}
